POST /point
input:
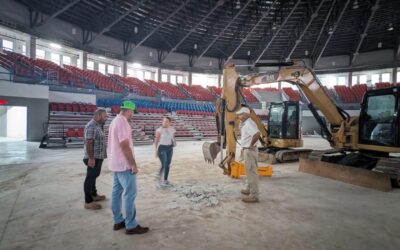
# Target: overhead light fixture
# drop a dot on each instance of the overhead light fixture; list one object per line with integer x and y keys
{"x": 151, "y": 53}
{"x": 237, "y": 4}
{"x": 210, "y": 64}
{"x": 135, "y": 29}
{"x": 248, "y": 52}
{"x": 380, "y": 45}
{"x": 195, "y": 46}
{"x": 274, "y": 26}
{"x": 390, "y": 27}
{"x": 355, "y": 5}
{"x": 55, "y": 45}
{"x": 137, "y": 65}
{"x": 102, "y": 57}
{"x": 330, "y": 31}
{"x": 306, "y": 52}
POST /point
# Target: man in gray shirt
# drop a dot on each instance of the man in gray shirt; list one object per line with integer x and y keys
{"x": 95, "y": 153}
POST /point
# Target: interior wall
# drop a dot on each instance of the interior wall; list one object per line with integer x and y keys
{"x": 35, "y": 98}
{"x": 65, "y": 97}
{"x": 37, "y": 114}
{"x": 3, "y": 121}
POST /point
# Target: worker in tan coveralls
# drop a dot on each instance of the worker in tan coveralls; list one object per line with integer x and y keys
{"x": 249, "y": 138}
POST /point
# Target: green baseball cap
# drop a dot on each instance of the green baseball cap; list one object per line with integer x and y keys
{"x": 128, "y": 105}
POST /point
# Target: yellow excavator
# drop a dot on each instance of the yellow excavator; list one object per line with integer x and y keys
{"x": 360, "y": 143}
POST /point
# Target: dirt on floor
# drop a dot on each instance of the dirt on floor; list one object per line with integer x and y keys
{"x": 41, "y": 206}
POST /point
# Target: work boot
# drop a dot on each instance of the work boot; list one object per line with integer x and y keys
{"x": 245, "y": 191}
{"x": 119, "y": 226}
{"x": 249, "y": 199}
{"x": 99, "y": 197}
{"x": 92, "y": 206}
{"x": 137, "y": 230}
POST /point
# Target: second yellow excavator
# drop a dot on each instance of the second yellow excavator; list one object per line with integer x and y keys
{"x": 360, "y": 142}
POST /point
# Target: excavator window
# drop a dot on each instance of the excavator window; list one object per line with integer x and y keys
{"x": 283, "y": 120}
{"x": 379, "y": 121}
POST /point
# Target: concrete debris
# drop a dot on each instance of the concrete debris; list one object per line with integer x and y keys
{"x": 197, "y": 196}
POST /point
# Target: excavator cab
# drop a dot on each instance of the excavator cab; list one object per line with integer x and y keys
{"x": 380, "y": 118}
{"x": 284, "y": 120}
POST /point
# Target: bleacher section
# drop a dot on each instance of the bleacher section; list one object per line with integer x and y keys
{"x": 67, "y": 121}
{"x": 167, "y": 105}
{"x": 136, "y": 86}
{"x": 215, "y": 90}
{"x": 292, "y": 94}
{"x": 168, "y": 89}
{"x": 198, "y": 93}
{"x": 248, "y": 95}
{"x": 359, "y": 91}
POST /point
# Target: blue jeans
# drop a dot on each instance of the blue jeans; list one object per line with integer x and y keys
{"x": 124, "y": 182}
{"x": 165, "y": 155}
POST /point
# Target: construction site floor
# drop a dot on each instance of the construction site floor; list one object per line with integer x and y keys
{"x": 41, "y": 206}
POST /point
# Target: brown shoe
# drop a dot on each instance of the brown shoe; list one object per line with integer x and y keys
{"x": 119, "y": 226}
{"x": 245, "y": 191}
{"x": 92, "y": 206}
{"x": 99, "y": 198}
{"x": 249, "y": 199}
{"x": 137, "y": 230}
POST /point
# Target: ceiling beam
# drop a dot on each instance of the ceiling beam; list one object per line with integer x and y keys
{"x": 65, "y": 8}
{"x": 364, "y": 34}
{"x": 321, "y": 31}
{"x": 277, "y": 32}
{"x": 305, "y": 29}
{"x": 117, "y": 20}
{"x": 332, "y": 32}
{"x": 223, "y": 30}
{"x": 160, "y": 24}
{"x": 219, "y": 3}
{"x": 263, "y": 16}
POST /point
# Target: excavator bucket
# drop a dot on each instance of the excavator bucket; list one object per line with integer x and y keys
{"x": 210, "y": 151}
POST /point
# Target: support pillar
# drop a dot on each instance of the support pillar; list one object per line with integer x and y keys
{"x": 158, "y": 74}
{"x": 219, "y": 80}
{"x": 83, "y": 57}
{"x": 279, "y": 85}
{"x": 31, "y": 47}
{"x": 394, "y": 75}
{"x": 190, "y": 78}
{"x": 124, "y": 68}
{"x": 350, "y": 80}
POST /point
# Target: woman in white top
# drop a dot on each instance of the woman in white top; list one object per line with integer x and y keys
{"x": 164, "y": 143}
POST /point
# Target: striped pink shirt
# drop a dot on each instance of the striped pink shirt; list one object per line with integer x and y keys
{"x": 119, "y": 131}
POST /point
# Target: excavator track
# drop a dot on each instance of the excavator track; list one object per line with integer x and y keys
{"x": 381, "y": 173}
{"x": 290, "y": 155}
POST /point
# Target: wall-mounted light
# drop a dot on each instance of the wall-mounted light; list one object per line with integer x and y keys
{"x": 274, "y": 26}
{"x": 151, "y": 53}
{"x": 210, "y": 63}
{"x": 390, "y": 27}
{"x": 380, "y": 45}
{"x": 135, "y": 29}
{"x": 306, "y": 52}
{"x": 195, "y": 46}
{"x": 248, "y": 52}
{"x": 102, "y": 57}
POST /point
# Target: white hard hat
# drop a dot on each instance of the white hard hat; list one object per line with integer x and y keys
{"x": 243, "y": 110}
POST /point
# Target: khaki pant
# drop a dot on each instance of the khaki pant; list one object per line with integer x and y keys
{"x": 250, "y": 162}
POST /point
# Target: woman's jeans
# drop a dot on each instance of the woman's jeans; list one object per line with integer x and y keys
{"x": 165, "y": 155}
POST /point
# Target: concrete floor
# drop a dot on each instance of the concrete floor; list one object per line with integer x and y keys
{"x": 41, "y": 206}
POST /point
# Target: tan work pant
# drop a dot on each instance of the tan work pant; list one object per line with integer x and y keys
{"x": 250, "y": 161}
